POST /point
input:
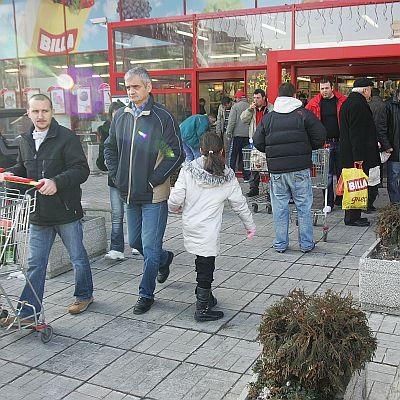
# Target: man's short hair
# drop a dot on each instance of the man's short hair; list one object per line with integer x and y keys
{"x": 41, "y": 97}
{"x": 375, "y": 92}
{"x": 325, "y": 79}
{"x": 141, "y": 73}
{"x": 226, "y": 100}
{"x": 286, "y": 89}
{"x": 260, "y": 91}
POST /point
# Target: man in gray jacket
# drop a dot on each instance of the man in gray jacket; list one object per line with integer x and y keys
{"x": 239, "y": 132}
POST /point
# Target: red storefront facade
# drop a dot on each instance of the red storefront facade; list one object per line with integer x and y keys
{"x": 210, "y": 55}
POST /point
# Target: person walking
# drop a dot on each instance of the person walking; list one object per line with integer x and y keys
{"x": 287, "y": 135}
{"x": 238, "y": 132}
{"x": 143, "y": 149}
{"x": 358, "y": 140}
{"x": 326, "y": 107}
{"x": 252, "y": 116}
{"x": 200, "y": 193}
{"x": 52, "y": 155}
{"x": 393, "y": 115}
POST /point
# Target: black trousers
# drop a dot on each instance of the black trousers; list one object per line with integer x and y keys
{"x": 254, "y": 180}
{"x": 238, "y": 144}
{"x": 205, "y": 267}
{"x": 372, "y": 194}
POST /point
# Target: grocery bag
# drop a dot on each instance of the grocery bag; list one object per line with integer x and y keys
{"x": 355, "y": 188}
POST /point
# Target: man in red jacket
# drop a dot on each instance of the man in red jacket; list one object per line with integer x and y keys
{"x": 326, "y": 107}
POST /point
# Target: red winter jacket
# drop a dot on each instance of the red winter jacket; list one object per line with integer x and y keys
{"x": 315, "y": 107}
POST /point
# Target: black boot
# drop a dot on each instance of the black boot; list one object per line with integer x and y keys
{"x": 212, "y": 300}
{"x": 203, "y": 311}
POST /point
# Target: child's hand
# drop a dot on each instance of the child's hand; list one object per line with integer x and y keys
{"x": 250, "y": 233}
{"x": 175, "y": 210}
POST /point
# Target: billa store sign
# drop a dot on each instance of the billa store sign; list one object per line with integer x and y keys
{"x": 51, "y": 44}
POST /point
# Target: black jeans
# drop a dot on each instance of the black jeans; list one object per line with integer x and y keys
{"x": 205, "y": 267}
{"x": 254, "y": 180}
{"x": 238, "y": 143}
{"x": 372, "y": 195}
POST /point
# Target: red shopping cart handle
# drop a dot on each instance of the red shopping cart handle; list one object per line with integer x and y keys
{"x": 23, "y": 181}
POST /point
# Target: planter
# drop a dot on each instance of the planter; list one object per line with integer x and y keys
{"x": 379, "y": 283}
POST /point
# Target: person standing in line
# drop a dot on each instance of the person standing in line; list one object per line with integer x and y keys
{"x": 238, "y": 132}
{"x": 52, "y": 155}
{"x": 202, "y": 106}
{"x": 393, "y": 116}
{"x": 117, "y": 244}
{"x": 287, "y": 135}
{"x": 358, "y": 140}
{"x": 143, "y": 149}
{"x": 200, "y": 193}
{"x": 252, "y": 116}
{"x": 222, "y": 123}
{"x": 326, "y": 107}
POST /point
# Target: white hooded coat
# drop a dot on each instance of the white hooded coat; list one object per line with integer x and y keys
{"x": 201, "y": 196}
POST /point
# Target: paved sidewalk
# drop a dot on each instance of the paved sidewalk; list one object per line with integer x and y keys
{"x": 110, "y": 353}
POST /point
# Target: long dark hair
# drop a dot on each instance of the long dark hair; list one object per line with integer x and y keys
{"x": 211, "y": 147}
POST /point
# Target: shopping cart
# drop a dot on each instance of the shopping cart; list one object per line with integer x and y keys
{"x": 255, "y": 161}
{"x": 319, "y": 180}
{"x": 15, "y": 208}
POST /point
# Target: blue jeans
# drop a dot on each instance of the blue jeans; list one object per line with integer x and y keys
{"x": 41, "y": 239}
{"x": 334, "y": 169}
{"x": 146, "y": 228}
{"x": 117, "y": 221}
{"x": 295, "y": 185}
{"x": 191, "y": 152}
{"x": 393, "y": 181}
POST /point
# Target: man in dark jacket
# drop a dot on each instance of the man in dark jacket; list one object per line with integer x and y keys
{"x": 393, "y": 114}
{"x": 144, "y": 148}
{"x": 53, "y": 155}
{"x": 358, "y": 141}
{"x": 287, "y": 135}
{"x": 326, "y": 107}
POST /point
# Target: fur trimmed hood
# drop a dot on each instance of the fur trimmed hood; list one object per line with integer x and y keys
{"x": 204, "y": 178}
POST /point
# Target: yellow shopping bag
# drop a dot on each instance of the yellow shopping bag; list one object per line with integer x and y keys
{"x": 355, "y": 185}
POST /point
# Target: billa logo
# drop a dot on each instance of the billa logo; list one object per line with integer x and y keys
{"x": 354, "y": 185}
{"x": 56, "y": 44}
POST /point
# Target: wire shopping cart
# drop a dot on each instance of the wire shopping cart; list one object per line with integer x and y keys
{"x": 15, "y": 208}
{"x": 255, "y": 161}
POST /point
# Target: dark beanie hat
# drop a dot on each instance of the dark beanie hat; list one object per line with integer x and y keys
{"x": 362, "y": 82}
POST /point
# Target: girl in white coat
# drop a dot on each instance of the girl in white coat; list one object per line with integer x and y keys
{"x": 202, "y": 187}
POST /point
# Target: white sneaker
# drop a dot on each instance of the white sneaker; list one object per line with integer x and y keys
{"x": 114, "y": 255}
{"x": 135, "y": 252}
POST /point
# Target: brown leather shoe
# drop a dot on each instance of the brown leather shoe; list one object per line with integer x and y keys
{"x": 13, "y": 322}
{"x": 79, "y": 306}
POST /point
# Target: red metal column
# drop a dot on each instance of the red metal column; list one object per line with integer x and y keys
{"x": 274, "y": 71}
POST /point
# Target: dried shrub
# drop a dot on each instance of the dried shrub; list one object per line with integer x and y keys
{"x": 388, "y": 229}
{"x": 312, "y": 345}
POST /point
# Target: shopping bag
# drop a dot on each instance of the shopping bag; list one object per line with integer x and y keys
{"x": 355, "y": 188}
{"x": 339, "y": 186}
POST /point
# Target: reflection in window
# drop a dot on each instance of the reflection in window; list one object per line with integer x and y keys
{"x": 245, "y": 39}
{"x": 138, "y": 9}
{"x": 348, "y": 26}
{"x": 180, "y": 104}
{"x": 7, "y": 31}
{"x": 206, "y": 6}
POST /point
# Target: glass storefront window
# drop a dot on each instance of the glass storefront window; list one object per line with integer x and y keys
{"x": 163, "y": 82}
{"x": 255, "y": 79}
{"x": 348, "y": 26}
{"x": 243, "y": 39}
{"x": 155, "y": 47}
{"x": 271, "y": 3}
{"x": 180, "y": 104}
{"x": 7, "y": 31}
{"x": 9, "y": 81}
{"x": 205, "y": 6}
{"x": 138, "y": 9}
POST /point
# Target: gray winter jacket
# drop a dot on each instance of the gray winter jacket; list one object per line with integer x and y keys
{"x": 235, "y": 125}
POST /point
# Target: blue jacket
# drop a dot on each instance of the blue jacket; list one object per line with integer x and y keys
{"x": 193, "y": 128}
{"x": 141, "y": 153}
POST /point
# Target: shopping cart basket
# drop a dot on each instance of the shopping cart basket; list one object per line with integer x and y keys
{"x": 255, "y": 161}
{"x": 15, "y": 208}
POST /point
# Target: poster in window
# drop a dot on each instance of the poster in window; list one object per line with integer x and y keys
{"x": 57, "y": 98}
{"x": 106, "y": 100}
{"x": 10, "y": 99}
{"x": 84, "y": 100}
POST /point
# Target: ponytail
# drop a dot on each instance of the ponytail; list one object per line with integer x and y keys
{"x": 211, "y": 148}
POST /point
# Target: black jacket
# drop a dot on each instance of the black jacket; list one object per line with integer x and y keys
{"x": 60, "y": 157}
{"x": 358, "y": 141}
{"x": 287, "y": 139}
{"x": 141, "y": 153}
{"x": 393, "y": 115}
{"x": 378, "y": 108}
{"x": 103, "y": 132}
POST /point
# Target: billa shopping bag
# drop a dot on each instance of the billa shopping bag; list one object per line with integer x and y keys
{"x": 355, "y": 188}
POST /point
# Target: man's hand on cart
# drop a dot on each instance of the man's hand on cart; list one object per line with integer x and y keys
{"x": 48, "y": 187}
{"x": 4, "y": 174}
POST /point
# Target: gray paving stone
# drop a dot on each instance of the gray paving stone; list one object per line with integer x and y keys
{"x": 178, "y": 291}
{"x": 93, "y": 392}
{"x": 243, "y": 326}
{"x": 123, "y": 333}
{"x": 62, "y": 298}
{"x": 30, "y": 350}
{"x": 250, "y": 282}
{"x": 349, "y": 262}
{"x": 135, "y": 373}
{"x": 288, "y": 256}
{"x": 325, "y": 260}
{"x": 130, "y": 266}
{"x": 110, "y": 280}
{"x": 379, "y": 391}
{"x": 190, "y": 381}
{"x": 39, "y": 385}
{"x": 344, "y": 276}
{"x": 381, "y": 373}
{"x": 171, "y": 342}
{"x": 266, "y": 267}
{"x": 283, "y": 286}
{"x": 112, "y": 303}
{"x": 82, "y": 360}
{"x": 231, "y": 263}
{"x": 260, "y": 304}
{"x": 231, "y": 238}
{"x": 331, "y": 247}
{"x": 10, "y": 371}
{"x": 184, "y": 258}
{"x": 307, "y": 272}
{"x": 234, "y": 299}
{"x": 240, "y": 390}
{"x": 244, "y": 250}
{"x": 226, "y": 353}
